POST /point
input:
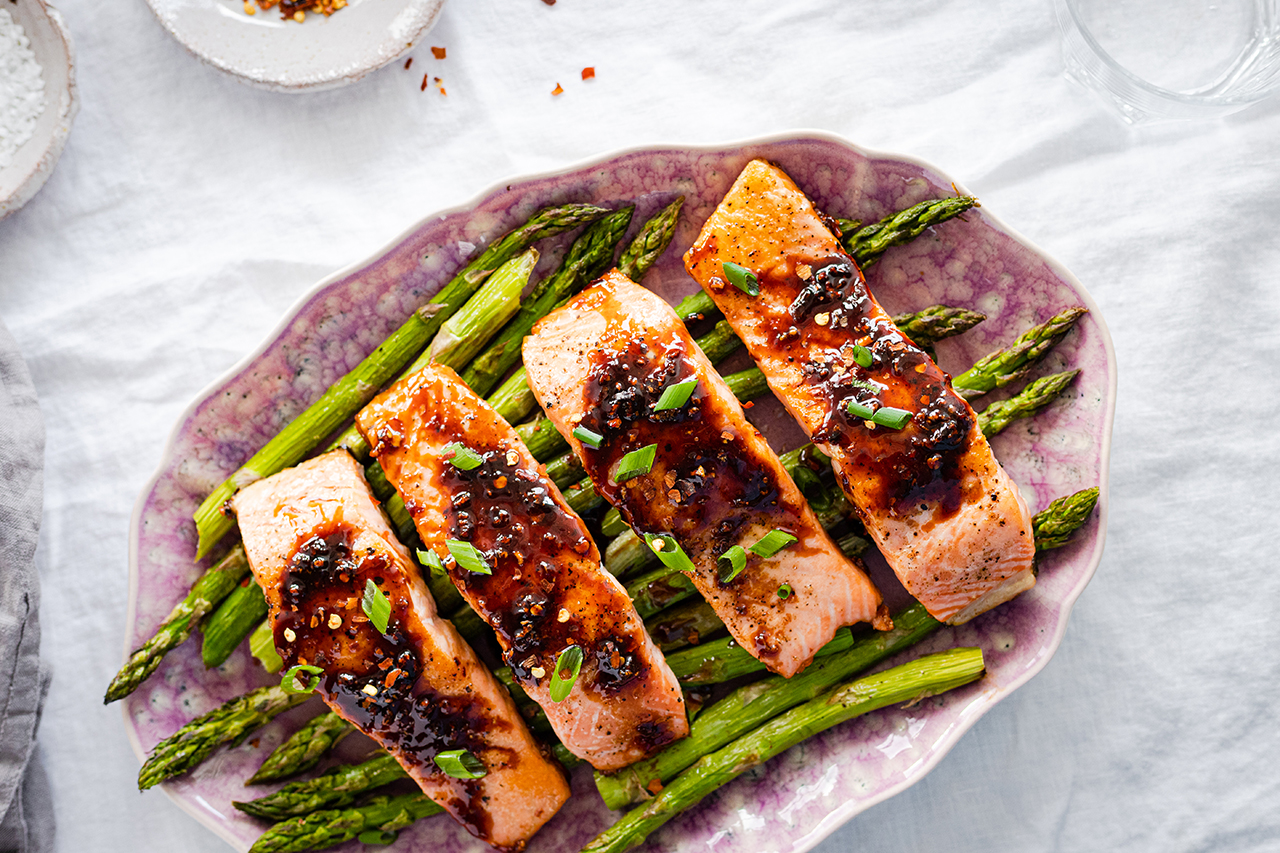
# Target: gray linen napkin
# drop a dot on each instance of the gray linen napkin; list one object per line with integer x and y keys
{"x": 27, "y": 824}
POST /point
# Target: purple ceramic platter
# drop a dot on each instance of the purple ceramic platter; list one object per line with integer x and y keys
{"x": 794, "y": 801}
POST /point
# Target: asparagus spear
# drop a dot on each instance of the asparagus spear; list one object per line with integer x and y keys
{"x": 865, "y": 245}
{"x": 213, "y": 586}
{"x": 936, "y": 322}
{"x": 1054, "y": 524}
{"x": 322, "y": 829}
{"x": 1040, "y": 393}
{"x": 589, "y": 256}
{"x": 303, "y": 749}
{"x": 337, "y": 787}
{"x": 513, "y": 400}
{"x": 683, "y": 625}
{"x": 229, "y": 723}
{"x": 1016, "y": 360}
{"x": 643, "y": 252}
{"x": 927, "y": 676}
{"x": 349, "y": 394}
{"x": 236, "y": 617}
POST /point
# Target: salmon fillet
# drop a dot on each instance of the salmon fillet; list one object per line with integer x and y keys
{"x": 547, "y": 591}
{"x": 602, "y": 362}
{"x": 946, "y": 516}
{"x": 314, "y": 536}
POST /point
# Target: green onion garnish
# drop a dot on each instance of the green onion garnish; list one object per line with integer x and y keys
{"x": 377, "y": 836}
{"x": 460, "y": 764}
{"x": 862, "y": 355}
{"x": 772, "y": 542}
{"x": 675, "y": 396}
{"x": 290, "y": 683}
{"x": 376, "y": 606}
{"x": 462, "y": 457}
{"x": 587, "y": 437}
{"x": 635, "y": 463}
{"x": 888, "y": 416}
{"x": 568, "y": 664}
{"x": 731, "y": 563}
{"x": 466, "y": 556}
{"x": 742, "y": 278}
{"x": 431, "y": 560}
{"x": 860, "y": 410}
{"x": 785, "y": 591}
{"x": 669, "y": 552}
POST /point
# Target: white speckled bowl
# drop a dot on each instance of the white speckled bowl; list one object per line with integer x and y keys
{"x": 33, "y": 162}
{"x": 285, "y": 56}
{"x": 798, "y": 798}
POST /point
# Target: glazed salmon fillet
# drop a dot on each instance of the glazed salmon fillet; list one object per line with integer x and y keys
{"x": 314, "y": 536}
{"x": 946, "y": 516}
{"x": 602, "y": 363}
{"x": 547, "y": 591}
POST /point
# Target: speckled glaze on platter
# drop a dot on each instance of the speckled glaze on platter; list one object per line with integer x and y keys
{"x": 286, "y": 56}
{"x": 798, "y": 798}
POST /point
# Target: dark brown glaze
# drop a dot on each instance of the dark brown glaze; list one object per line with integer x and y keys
{"x": 709, "y": 481}
{"x": 375, "y": 678}
{"x": 547, "y": 590}
{"x": 602, "y": 363}
{"x": 830, "y": 311}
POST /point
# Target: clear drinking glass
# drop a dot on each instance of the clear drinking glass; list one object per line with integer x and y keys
{"x": 1159, "y": 60}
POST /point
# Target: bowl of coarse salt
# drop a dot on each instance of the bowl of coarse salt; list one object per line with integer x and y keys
{"x": 38, "y": 99}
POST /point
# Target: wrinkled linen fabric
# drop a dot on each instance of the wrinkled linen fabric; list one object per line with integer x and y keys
{"x": 27, "y": 822}
{"x": 189, "y": 212}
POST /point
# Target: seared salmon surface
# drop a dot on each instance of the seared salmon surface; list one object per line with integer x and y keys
{"x": 602, "y": 363}
{"x": 946, "y": 516}
{"x": 546, "y": 590}
{"x": 314, "y": 536}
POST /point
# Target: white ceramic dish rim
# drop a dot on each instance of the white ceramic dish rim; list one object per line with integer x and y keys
{"x": 837, "y": 817}
{"x": 333, "y": 79}
{"x": 63, "y": 117}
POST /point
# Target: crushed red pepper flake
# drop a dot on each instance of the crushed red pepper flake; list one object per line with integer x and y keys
{"x": 437, "y": 52}
{"x": 557, "y": 90}
{"x": 655, "y": 785}
{"x": 589, "y": 72}
{"x": 408, "y": 62}
{"x": 426, "y": 78}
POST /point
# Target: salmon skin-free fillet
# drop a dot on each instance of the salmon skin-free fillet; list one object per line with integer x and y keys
{"x": 546, "y": 591}
{"x": 947, "y": 518}
{"x": 315, "y": 536}
{"x": 603, "y": 363}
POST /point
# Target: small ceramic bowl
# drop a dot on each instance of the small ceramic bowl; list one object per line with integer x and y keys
{"x": 267, "y": 52}
{"x": 33, "y": 162}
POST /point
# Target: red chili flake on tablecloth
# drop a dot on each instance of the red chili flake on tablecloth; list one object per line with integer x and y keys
{"x": 588, "y": 72}
{"x": 408, "y": 62}
{"x": 426, "y": 78}
{"x": 437, "y": 52}
{"x": 557, "y": 90}
{"x": 549, "y": 2}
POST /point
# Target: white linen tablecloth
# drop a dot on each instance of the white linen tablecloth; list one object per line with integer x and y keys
{"x": 189, "y": 211}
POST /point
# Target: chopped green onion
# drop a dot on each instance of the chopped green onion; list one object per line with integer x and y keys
{"x": 860, "y": 410}
{"x": 568, "y": 664}
{"x": 772, "y": 542}
{"x": 377, "y": 836}
{"x": 742, "y": 278}
{"x": 635, "y": 463}
{"x": 262, "y": 645}
{"x": 669, "y": 552}
{"x": 888, "y": 416}
{"x": 460, "y": 764}
{"x": 731, "y": 563}
{"x": 858, "y": 383}
{"x": 676, "y": 395}
{"x": 431, "y": 560}
{"x": 463, "y": 457}
{"x": 290, "y": 683}
{"x": 785, "y": 591}
{"x": 376, "y": 606}
{"x": 587, "y": 437}
{"x": 862, "y": 355}
{"x": 466, "y": 555}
